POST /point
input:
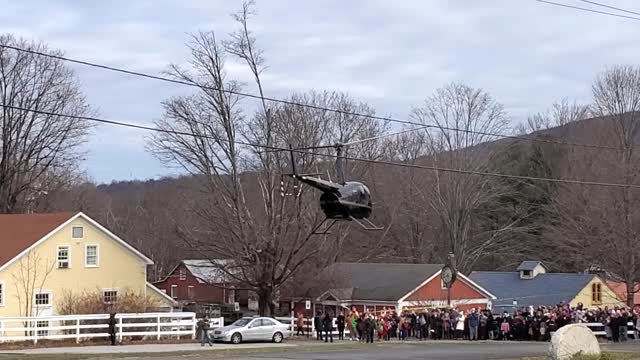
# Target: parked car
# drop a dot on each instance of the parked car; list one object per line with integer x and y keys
{"x": 252, "y": 329}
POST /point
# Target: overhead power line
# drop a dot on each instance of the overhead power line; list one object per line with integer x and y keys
{"x": 359, "y": 141}
{"x": 310, "y": 106}
{"x": 588, "y": 10}
{"x": 301, "y": 151}
{"x": 610, "y": 7}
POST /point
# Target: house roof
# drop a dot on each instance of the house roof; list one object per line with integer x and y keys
{"x": 544, "y": 289}
{"x": 209, "y": 271}
{"x": 379, "y": 281}
{"x": 529, "y": 265}
{"x": 19, "y": 231}
{"x": 620, "y": 289}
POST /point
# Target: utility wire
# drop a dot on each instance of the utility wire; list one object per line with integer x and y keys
{"x": 299, "y": 151}
{"x": 610, "y": 7}
{"x": 589, "y": 10}
{"x": 359, "y": 141}
{"x": 293, "y": 103}
{"x": 383, "y": 136}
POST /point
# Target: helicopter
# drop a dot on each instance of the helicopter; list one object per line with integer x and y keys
{"x": 342, "y": 200}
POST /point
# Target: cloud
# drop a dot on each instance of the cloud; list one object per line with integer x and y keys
{"x": 390, "y": 54}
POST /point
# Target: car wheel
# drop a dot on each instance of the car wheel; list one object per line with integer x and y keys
{"x": 236, "y": 338}
{"x": 277, "y": 337}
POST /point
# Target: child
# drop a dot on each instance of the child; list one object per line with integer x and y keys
{"x": 543, "y": 331}
{"x": 504, "y": 329}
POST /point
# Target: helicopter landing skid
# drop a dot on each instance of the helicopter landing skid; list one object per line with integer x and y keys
{"x": 366, "y": 224}
{"x": 318, "y": 231}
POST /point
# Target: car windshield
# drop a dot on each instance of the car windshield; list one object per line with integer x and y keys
{"x": 241, "y": 322}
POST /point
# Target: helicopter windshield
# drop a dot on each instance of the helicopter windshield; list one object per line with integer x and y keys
{"x": 356, "y": 192}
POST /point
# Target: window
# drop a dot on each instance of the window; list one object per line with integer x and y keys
{"x": 110, "y": 296}
{"x": 183, "y": 274}
{"x": 77, "y": 232}
{"x": 267, "y": 322}
{"x": 255, "y": 323}
{"x": 526, "y": 273}
{"x": 63, "y": 257}
{"x": 1, "y": 294}
{"x": 174, "y": 291}
{"x": 596, "y": 293}
{"x": 42, "y": 299}
{"x": 42, "y": 324}
{"x": 91, "y": 256}
{"x": 190, "y": 290}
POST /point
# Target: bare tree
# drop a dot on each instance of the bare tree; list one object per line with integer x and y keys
{"x": 561, "y": 113}
{"x": 241, "y": 211}
{"x": 35, "y": 147}
{"x": 464, "y": 205}
{"x": 29, "y": 278}
{"x": 609, "y": 215}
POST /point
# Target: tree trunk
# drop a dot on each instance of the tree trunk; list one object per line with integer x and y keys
{"x": 265, "y": 302}
{"x": 630, "y": 293}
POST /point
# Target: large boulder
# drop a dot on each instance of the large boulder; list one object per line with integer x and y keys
{"x": 573, "y": 339}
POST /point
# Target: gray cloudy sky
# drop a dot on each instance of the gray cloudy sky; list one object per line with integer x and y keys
{"x": 391, "y": 54}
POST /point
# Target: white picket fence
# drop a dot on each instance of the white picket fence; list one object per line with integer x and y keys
{"x": 80, "y": 327}
{"x": 598, "y": 329}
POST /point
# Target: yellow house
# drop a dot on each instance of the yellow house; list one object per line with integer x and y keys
{"x": 532, "y": 285}
{"x": 47, "y": 259}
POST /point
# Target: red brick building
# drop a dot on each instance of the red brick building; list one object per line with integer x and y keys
{"x": 377, "y": 287}
{"x": 199, "y": 281}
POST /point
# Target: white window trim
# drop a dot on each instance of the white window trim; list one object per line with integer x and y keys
{"x": 37, "y": 306}
{"x": 68, "y": 256}
{"x": 4, "y": 294}
{"x": 46, "y": 326}
{"x": 117, "y": 290}
{"x": 191, "y": 291}
{"x": 171, "y": 293}
{"x": 77, "y": 226}
{"x": 97, "y": 264}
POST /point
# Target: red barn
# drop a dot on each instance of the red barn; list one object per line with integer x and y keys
{"x": 379, "y": 286}
{"x": 199, "y": 281}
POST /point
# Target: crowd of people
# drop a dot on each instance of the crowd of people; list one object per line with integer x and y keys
{"x": 533, "y": 324}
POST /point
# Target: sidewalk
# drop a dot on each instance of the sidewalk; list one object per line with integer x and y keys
{"x": 147, "y": 348}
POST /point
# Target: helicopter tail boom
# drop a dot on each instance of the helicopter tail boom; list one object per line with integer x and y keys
{"x": 293, "y": 161}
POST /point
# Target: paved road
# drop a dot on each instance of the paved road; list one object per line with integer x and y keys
{"x": 432, "y": 351}
{"x": 440, "y": 350}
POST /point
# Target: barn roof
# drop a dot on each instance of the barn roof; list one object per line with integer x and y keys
{"x": 209, "y": 271}
{"x": 18, "y": 232}
{"x": 544, "y": 289}
{"x": 379, "y": 281}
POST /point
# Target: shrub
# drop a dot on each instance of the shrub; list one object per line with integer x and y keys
{"x": 92, "y": 302}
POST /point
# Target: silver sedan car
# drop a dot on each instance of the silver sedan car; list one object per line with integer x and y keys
{"x": 252, "y": 329}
